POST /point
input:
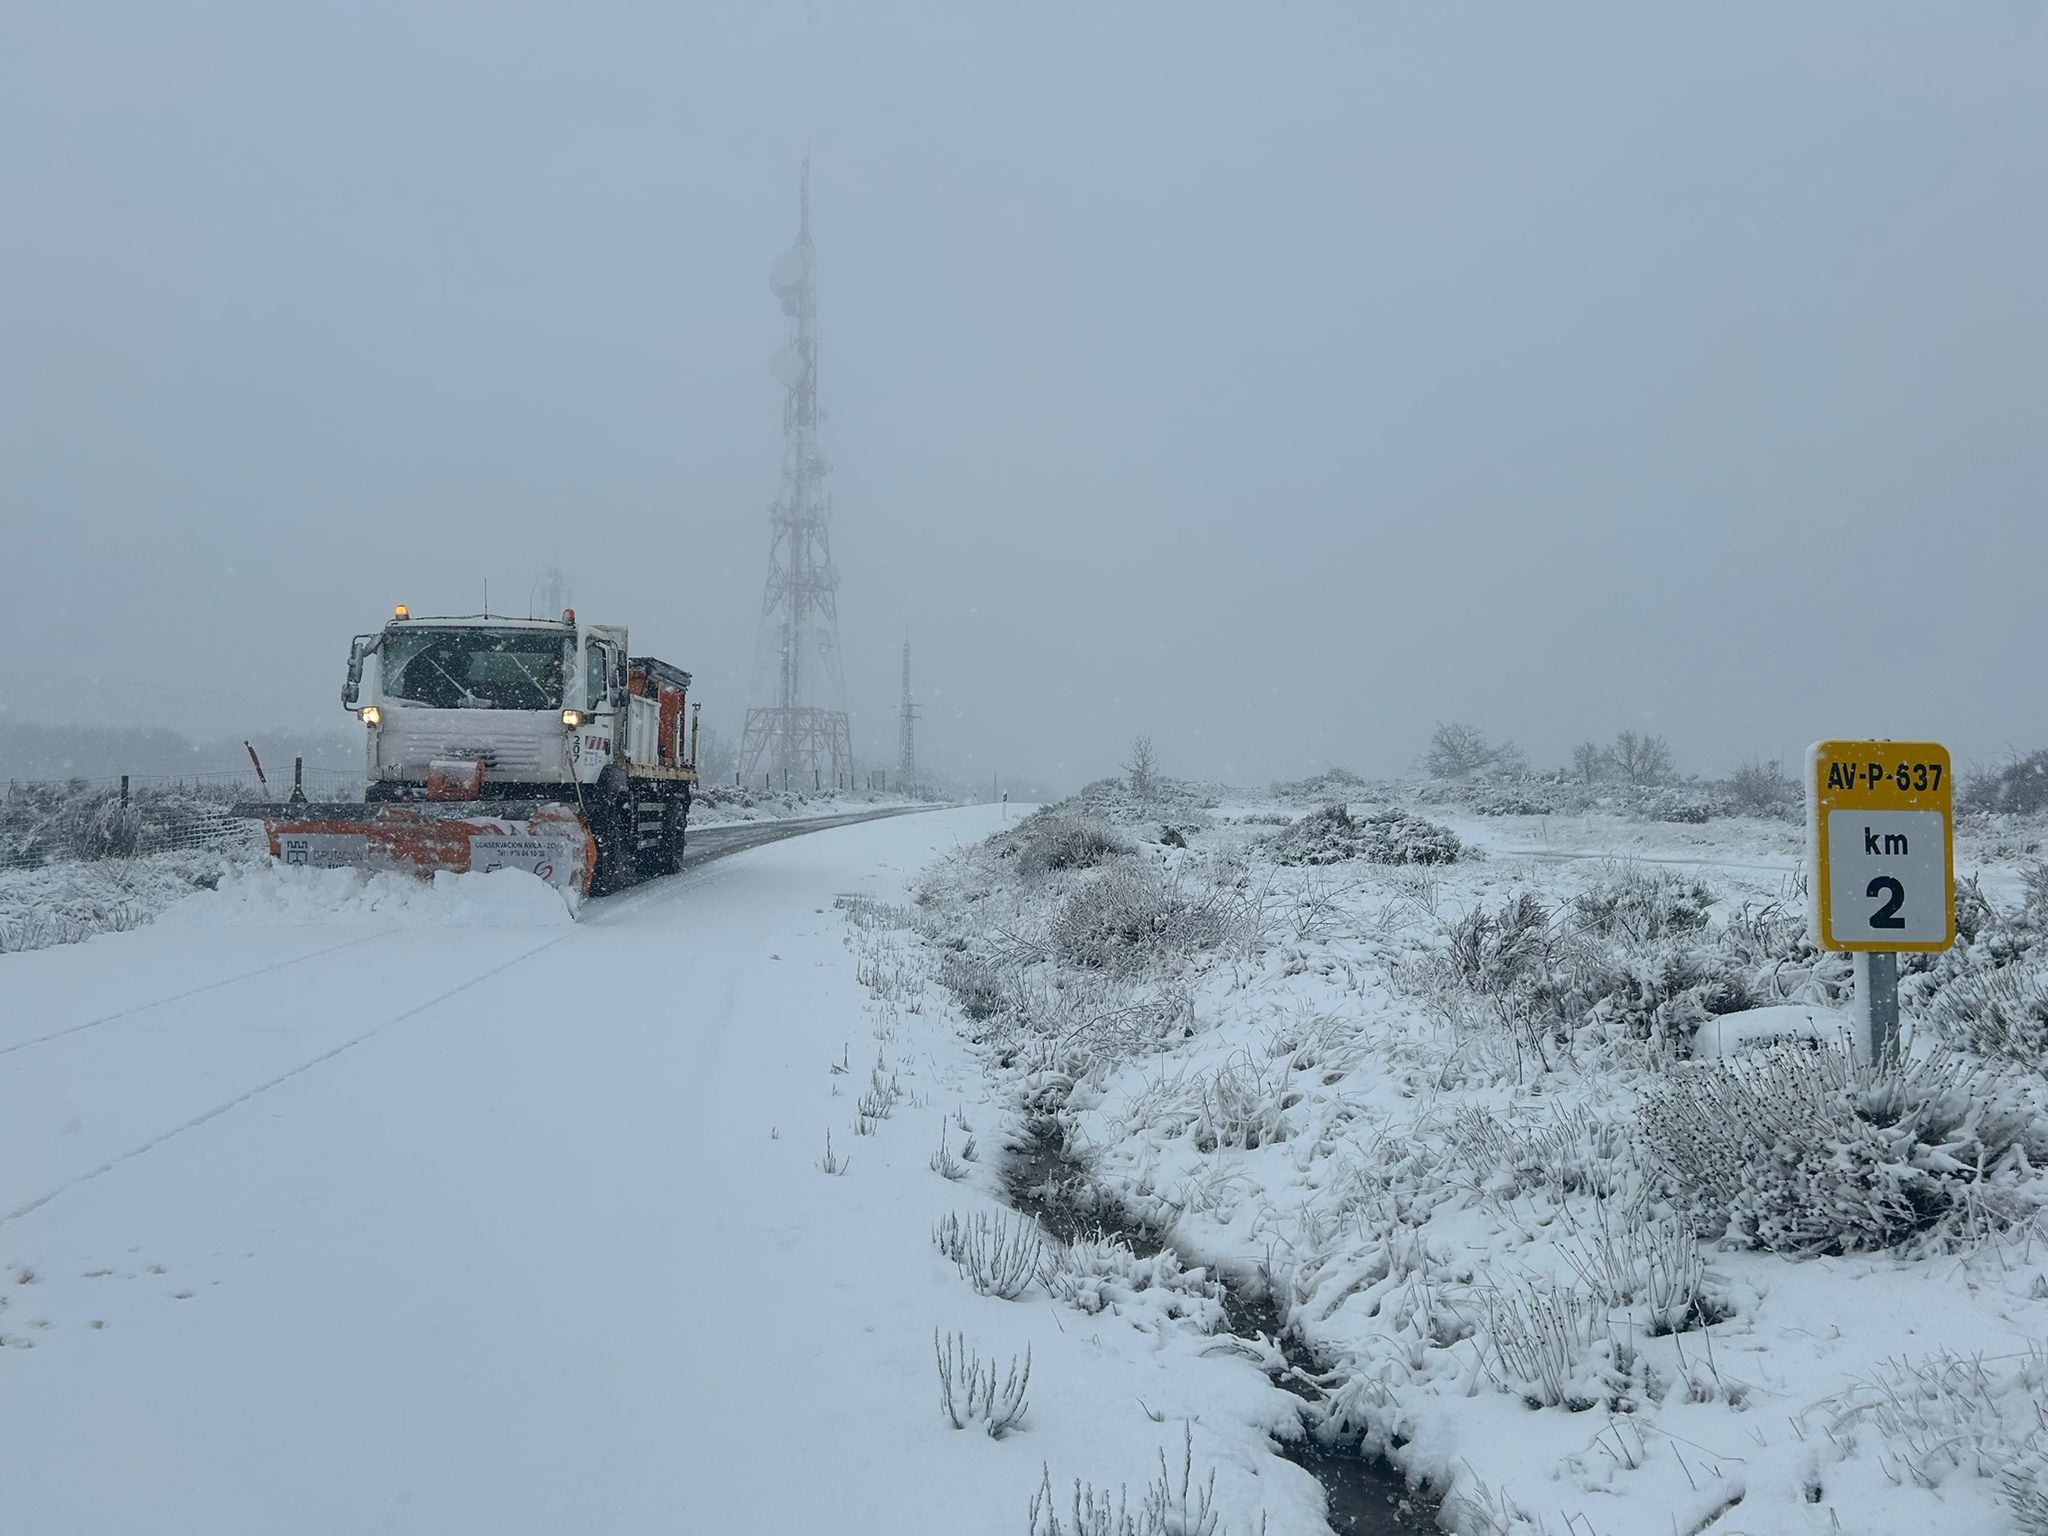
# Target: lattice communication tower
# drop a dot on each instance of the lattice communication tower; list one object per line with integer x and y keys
{"x": 796, "y": 716}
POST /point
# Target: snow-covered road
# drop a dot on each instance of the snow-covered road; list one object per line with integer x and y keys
{"x": 518, "y": 1226}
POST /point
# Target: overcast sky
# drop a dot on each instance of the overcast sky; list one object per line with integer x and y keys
{"x": 1274, "y": 380}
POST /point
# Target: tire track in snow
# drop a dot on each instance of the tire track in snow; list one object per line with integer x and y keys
{"x": 283, "y": 1077}
{"x": 178, "y": 997}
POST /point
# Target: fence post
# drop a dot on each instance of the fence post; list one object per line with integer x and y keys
{"x": 124, "y": 791}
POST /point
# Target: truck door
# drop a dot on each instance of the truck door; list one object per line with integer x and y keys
{"x": 592, "y": 748}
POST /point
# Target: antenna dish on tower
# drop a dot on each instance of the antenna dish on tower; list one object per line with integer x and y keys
{"x": 787, "y": 367}
{"x": 788, "y": 273}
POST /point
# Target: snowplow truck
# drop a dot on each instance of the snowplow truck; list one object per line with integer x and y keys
{"x": 493, "y": 743}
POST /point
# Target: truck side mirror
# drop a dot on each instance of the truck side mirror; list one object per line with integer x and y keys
{"x": 358, "y": 648}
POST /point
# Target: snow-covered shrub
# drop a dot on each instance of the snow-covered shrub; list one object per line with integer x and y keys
{"x": 1242, "y": 1105}
{"x": 2001, "y": 1013}
{"x": 1685, "y": 805}
{"x": 1553, "y": 1347}
{"x": 1512, "y": 802}
{"x": 1116, "y": 800}
{"x": 1104, "y": 1273}
{"x": 1052, "y": 839}
{"x": 1129, "y": 916}
{"x": 1332, "y": 835}
{"x": 43, "y": 823}
{"x": 1497, "y": 950}
{"x": 1803, "y": 1151}
{"x": 66, "y": 902}
{"x": 1333, "y": 784}
{"x": 1171, "y": 1506}
{"x": 971, "y": 1388}
{"x": 2018, "y": 786}
{"x": 1631, "y": 902}
{"x": 1652, "y": 1263}
{"x": 2023, "y": 1477}
{"x": 1954, "y": 1413}
{"x": 999, "y": 1254}
{"x": 1665, "y": 995}
{"x": 973, "y": 983}
{"x": 1570, "y": 1151}
{"x": 1759, "y": 788}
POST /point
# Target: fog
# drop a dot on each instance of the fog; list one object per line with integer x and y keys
{"x": 1272, "y": 381}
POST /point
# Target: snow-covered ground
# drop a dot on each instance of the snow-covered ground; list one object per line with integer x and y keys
{"x": 329, "y": 1208}
{"x": 334, "y": 1202}
{"x": 1459, "y": 1123}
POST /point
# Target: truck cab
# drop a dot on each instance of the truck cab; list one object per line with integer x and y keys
{"x": 536, "y": 707}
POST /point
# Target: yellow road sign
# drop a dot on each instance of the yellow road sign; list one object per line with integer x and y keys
{"x": 1880, "y": 828}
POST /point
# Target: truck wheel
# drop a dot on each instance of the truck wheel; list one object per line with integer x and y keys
{"x": 612, "y": 818}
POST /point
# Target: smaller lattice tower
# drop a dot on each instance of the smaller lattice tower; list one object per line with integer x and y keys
{"x": 906, "y": 730}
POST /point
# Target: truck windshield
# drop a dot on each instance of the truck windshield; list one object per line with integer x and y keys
{"x": 474, "y": 668}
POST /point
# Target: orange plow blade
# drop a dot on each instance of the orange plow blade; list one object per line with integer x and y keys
{"x": 543, "y": 839}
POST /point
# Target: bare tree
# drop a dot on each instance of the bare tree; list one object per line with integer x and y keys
{"x": 1589, "y": 762}
{"x": 1457, "y": 750}
{"x": 1641, "y": 759}
{"x": 1141, "y": 769}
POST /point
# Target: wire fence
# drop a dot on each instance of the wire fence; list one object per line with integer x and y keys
{"x": 48, "y": 821}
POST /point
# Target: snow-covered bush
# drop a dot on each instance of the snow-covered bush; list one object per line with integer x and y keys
{"x": 1553, "y": 1347}
{"x": 1105, "y": 1274}
{"x": 1759, "y": 788}
{"x": 1130, "y": 916}
{"x": 971, "y": 1388}
{"x": 2024, "y": 1478}
{"x": 1242, "y": 1105}
{"x": 2001, "y": 1013}
{"x": 1171, "y": 1506}
{"x": 1053, "y": 839}
{"x": 68, "y": 902}
{"x": 998, "y": 1253}
{"x": 1496, "y": 950}
{"x": 1652, "y": 1264}
{"x": 973, "y": 983}
{"x": 1686, "y": 805}
{"x": 42, "y": 823}
{"x": 1332, "y": 835}
{"x": 1951, "y": 1413}
{"x": 1116, "y": 800}
{"x": 1803, "y": 1151}
{"x": 2018, "y": 786}
{"x": 1640, "y": 904}
{"x": 1333, "y": 784}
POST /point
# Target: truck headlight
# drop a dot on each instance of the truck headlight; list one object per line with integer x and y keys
{"x": 572, "y": 718}
{"x": 372, "y": 715}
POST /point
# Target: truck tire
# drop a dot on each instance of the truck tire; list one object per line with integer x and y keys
{"x": 612, "y": 823}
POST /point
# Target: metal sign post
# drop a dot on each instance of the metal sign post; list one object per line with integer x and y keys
{"x": 1880, "y": 838}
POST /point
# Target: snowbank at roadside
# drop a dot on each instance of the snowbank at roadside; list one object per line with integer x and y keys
{"x": 269, "y": 895}
{"x": 66, "y": 903}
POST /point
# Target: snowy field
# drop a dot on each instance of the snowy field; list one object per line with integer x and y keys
{"x": 1439, "y": 1088}
{"x": 332, "y": 1203}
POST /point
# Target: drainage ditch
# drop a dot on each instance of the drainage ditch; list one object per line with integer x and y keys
{"x": 1365, "y": 1495}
